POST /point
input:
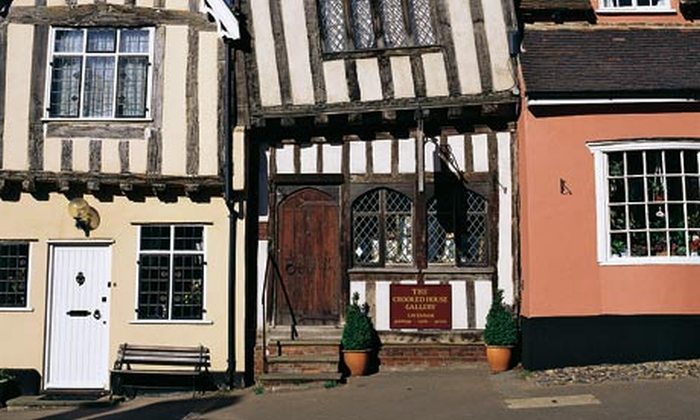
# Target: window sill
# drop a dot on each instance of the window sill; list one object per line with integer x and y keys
{"x": 381, "y": 52}
{"x": 170, "y": 322}
{"x": 368, "y": 270}
{"x": 622, "y": 261}
{"x": 636, "y": 11}
{"x": 16, "y": 309}
{"x": 98, "y": 120}
{"x": 459, "y": 270}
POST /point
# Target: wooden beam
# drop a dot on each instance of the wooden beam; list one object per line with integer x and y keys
{"x": 28, "y": 185}
{"x": 63, "y": 185}
{"x": 93, "y": 185}
{"x": 126, "y": 186}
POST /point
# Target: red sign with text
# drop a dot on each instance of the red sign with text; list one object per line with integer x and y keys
{"x": 421, "y": 306}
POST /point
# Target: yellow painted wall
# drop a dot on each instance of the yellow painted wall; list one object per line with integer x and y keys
{"x": 42, "y": 221}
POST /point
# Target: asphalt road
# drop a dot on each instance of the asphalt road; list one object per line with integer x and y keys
{"x": 438, "y": 394}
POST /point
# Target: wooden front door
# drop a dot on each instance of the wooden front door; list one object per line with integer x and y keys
{"x": 309, "y": 258}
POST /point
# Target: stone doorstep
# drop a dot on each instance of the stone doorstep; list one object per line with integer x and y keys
{"x": 38, "y": 402}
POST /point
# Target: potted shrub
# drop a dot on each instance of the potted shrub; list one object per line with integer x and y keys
{"x": 500, "y": 335}
{"x": 359, "y": 337}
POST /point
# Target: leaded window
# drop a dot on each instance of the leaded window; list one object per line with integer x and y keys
{"x": 653, "y": 203}
{"x": 171, "y": 272}
{"x": 368, "y": 24}
{"x": 382, "y": 227}
{"x": 14, "y": 266}
{"x": 99, "y": 73}
{"x": 457, "y": 229}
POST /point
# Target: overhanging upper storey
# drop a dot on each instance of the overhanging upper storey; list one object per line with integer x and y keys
{"x": 336, "y": 57}
{"x": 643, "y": 64}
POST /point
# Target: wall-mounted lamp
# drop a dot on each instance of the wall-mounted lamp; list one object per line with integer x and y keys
{"x": 86, "y": 217}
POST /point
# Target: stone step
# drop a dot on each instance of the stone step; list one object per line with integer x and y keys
{"x": 303, "y": 364}
{"x": 304, "y": 348}
{"x": 276, "y": 381}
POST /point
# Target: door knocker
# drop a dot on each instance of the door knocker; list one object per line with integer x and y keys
{"x": 80, "y": 278}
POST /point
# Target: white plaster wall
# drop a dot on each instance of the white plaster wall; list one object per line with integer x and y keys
{"x": 20, "y": 39}
{"x": 465, "y": 46}
{"x": 268, "y": 76}
{"x": 402, "y": 77}
{"x": 285, "y": 159}
{"x": 368, "y": 79}
{"x": 505, "y": 217}
{"x": 309, "y": 156}
{"x": 457, "y": 145}
{"x": 494, "y": 22}
{"x": 296, "y": 38}
{"x": 483, "y": 297}
{"x": 435, "y": 74}
{"x": 381, "y": 156}
{"x": 407, "y": 156}
{"x": 174, "y": 100}
{"x": 208, "y": 96}
{"x": 336, "y": 81}
{"x": 358, "y": 158}
{"x": 332, "y": 158}
{"x": 480, "y": 153}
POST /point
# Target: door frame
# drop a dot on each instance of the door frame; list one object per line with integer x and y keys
{"x": 52, "y": 244}
{"x": 281, "y": 193}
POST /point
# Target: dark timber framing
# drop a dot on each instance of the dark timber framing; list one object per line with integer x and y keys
{"x": 3, "y": 65}
{"x": 124, "y": 156}
{"x": 66, "y": 155}
{"x": 95, "y": 155}
{"x": 155, "y": 141}
{"x": 36, "y": 104}
{"x": 482, "y": 46}
{"x": 192, "y": 98}
{"x": 445, "y": 29}
{"x": 281, "y": 52}
{"x": 313, "y": 31}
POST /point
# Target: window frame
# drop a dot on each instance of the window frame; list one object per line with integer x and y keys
{"x": 666, "y": 8}
{"x": 600, "y": 151}
{"x": 27, "y": 285}
{"x": 456, "y": 216}
{"x": 378, "y": 29}
{"x": 51, "y": 54}
{"x": 381, "y": 229}
{"x": 171, "y": 252}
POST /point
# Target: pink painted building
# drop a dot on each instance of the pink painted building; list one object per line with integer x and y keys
{"x": 609, "y": 173}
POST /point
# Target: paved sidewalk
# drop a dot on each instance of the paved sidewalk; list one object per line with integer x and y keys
{"x": 438, "y": 394}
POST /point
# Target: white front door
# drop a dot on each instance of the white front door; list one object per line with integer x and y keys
{"x": 78, "y": 315}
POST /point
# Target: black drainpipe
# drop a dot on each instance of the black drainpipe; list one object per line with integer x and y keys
{"x": 229, "y": 106}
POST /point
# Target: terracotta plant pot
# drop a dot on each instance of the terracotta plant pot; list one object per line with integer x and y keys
{"x": 498, "y": 357}
{"x": 357, "y": 361}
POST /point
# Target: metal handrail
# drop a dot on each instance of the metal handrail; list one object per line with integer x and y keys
{"x": 272, "y": 263}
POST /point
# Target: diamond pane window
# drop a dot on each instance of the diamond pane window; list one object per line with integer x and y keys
{"x": 373, "y": 24}
{"x": 456, "y": 229}
{"x": 14, "y": 265}
{"x": 99, "y": 73}
{"x": 382, "y": 227}
{"x": 171, "y": 273}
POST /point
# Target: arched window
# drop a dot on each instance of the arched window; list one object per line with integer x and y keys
{"x": 457, "y": 229}
{"x": 382, "y": 228}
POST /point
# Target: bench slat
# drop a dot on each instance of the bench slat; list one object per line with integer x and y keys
{"x": 162, "y": 348}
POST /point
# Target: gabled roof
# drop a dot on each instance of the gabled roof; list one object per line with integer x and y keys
{"x": 226, "y": 22}
{"x": 606, "y": 62}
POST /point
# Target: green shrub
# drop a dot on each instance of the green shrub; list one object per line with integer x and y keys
{"x": 358, "y": 333}
{"x": 501, "y": 329}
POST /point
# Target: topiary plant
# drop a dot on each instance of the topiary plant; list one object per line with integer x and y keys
{"x": 501, "y": 329}
{"x": 358, "y": 333}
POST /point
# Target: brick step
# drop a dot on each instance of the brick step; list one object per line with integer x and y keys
{"x": 303, "y": 364}
{"x": 430, "y": 355}
{"x": 304, "y": 348}
{"x": 276, "y": 381}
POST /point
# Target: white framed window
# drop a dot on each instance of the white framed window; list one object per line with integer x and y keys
{"x": 648, "y": 201}
{"x": 14, "y": 275}
{"x": 635, "y": 5}
{"x": 99, "y": 73}
{"x": 171, "y": 273}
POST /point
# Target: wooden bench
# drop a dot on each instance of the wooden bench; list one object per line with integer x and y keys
{"x": 197, "y": 359}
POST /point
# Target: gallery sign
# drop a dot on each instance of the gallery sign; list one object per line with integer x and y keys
{"x": 421, "y": 306}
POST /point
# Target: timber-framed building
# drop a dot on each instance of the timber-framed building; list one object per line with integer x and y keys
{"x": 112, "y": 183}
{"x": 381, "y": 147}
